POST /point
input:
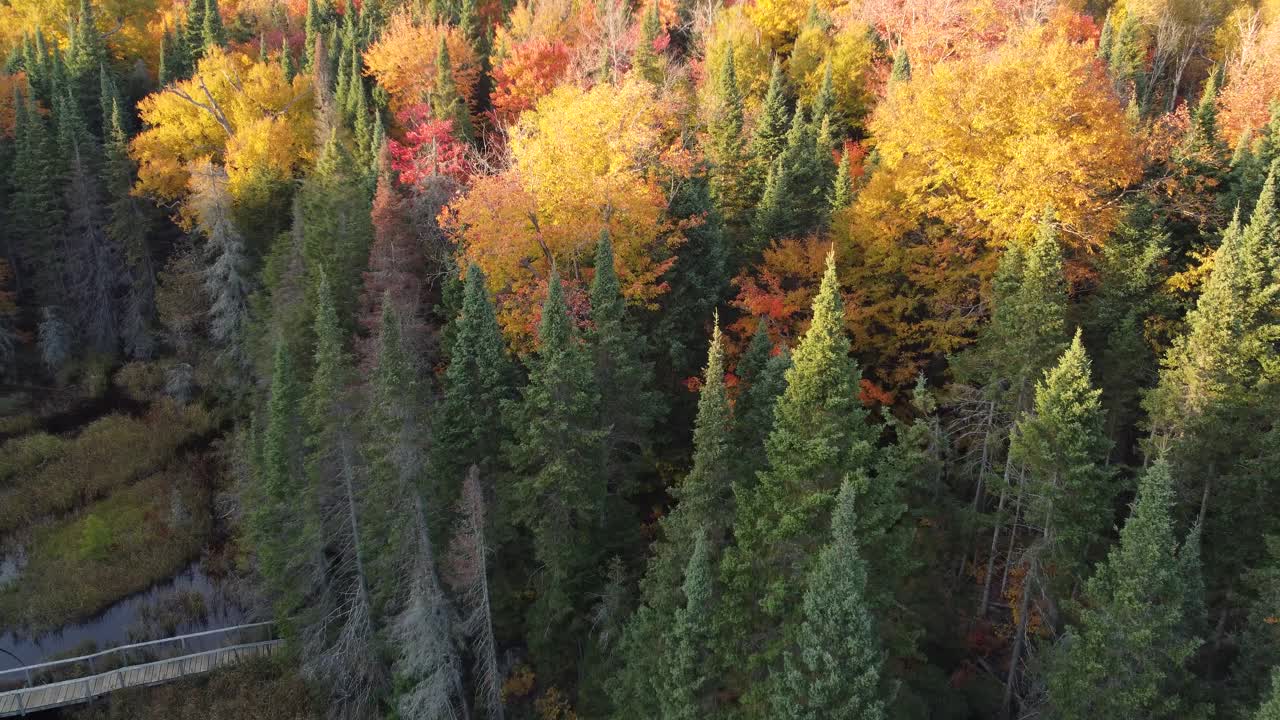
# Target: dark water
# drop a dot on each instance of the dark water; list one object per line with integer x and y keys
{"x": 112, "y": 626}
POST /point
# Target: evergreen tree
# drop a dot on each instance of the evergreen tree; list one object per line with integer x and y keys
{"x": 128, "y": 226}
{"x": 193, "y": 34}
{"x": 36, "y": 209}
{"x": 282, "y": 523}
{"x": 645, "y": 59}
{"x": 446, "y": 102}
{"x": 842, "y": 187}
{"x": 629, "y": 407}
{"x": 1270, "y": 709}
{"x": 901, "y": 71}
{"x": 286, "y": 60}
{"x": 313, "y": 29}
{"x": 468, "y": 427}
{"x": 731, "y": 184}
{"x": 697, "y": 281}
{"x": 1128, "y": 655}
{"x": 834, "y": 668}
{"x": 762, "y": 378}
{"x": 770, "y": 136}
{"x": 557, "y": 453}
{"x": 337, "y": 228}
{"x": 1064, "y": 446}
{"x": 227, "y": 278}
{"x": 212, "y": 33}
{"x": 684, "y": 682}
{"x": 824, "y": 103}
{"x": 820, "y": 438}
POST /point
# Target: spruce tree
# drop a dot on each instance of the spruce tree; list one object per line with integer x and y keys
{"x": 770, "y": 136}
{"x": 820, "y": 438}
{"x": 761, "y": 379}
{"x": 557, "y": 453}
{"x": 227, "y": 280}
{"x": 446, "y": 102}
{"x": 128, "y": 227}
{"x": 731, "y": 184}
{"x": 468, "y": 426}
{"x": 1270, "y": 709}
{"x": 629, "y": 407}
{"x": 685, "y": 680}
{"x": 212, "y": 33}
{"x": 645, "y": 60}
{"x": 901, "y": 66}
{"x": 1128, "y": 655}
{"x": 337, "y": 228}
{"x": 834, "y": 666}
{"x": 37, "y": 209}
{"x": 1064, "y": 447}
{"x": 842, "y": 187}
{"x": 698, "y": 280}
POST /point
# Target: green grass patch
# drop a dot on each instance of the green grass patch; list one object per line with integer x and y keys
{"x": 113, "y": 548}
{"x": 42, "y": 475}
{"x": 264, "y": 689}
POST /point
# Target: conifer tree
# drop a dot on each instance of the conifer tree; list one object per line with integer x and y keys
{"x": 193, "y": 34}
{"x": 286, "y": 60}
{"x": 645, "y": 59}
{"x": 446, "y": 102}
{"x": 1128, "y": 655}
{"x": 762, "y": 378}
{"x": 842, "y": 187}
{"x": 337, "y": 228}
{"x": 834, "y": 668}
{"x": 128, "y": 226}
{"x": 281, "y": 522}
{"x": 628, "y": 405}
{"x": 227, "y": 279}
{"x": 770, "y": 136}
{"x": 468, "y": 565}
{"x": 685, "y": 680}
{"x": 313, "y": 29}
{"x": 820, "y": 438}
{"x": 1270, "y": 709}
{"x": 731, "y": 185}
{"x": 1064, "y": 446}
{"x": 557, "y": 453}
{"x": 468, "y": 428}
{"x": 697, "y": 281}
{"x": 37, "y": 210}
{"x": 901, "y": 71}
{"x": 212, "y": 33}
{"x": 824, "y": 103}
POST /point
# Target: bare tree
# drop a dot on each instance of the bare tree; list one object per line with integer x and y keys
{"x": 468, "y": 574}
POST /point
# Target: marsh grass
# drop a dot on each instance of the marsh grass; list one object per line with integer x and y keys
{"x": 78, "y": 566}
{"x": 42, "y": 475}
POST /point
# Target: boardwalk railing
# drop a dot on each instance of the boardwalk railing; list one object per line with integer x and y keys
{"x": 56, "y": 683}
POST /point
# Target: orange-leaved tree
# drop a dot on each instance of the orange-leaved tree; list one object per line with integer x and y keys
{"x": 581, "y": 162}
{"x": 403, "y": 60}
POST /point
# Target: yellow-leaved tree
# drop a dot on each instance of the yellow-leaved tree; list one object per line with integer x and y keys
{"x": 235, "y": 111}
{"x": 582, "y": 161}
{"x": 403, "y": 60}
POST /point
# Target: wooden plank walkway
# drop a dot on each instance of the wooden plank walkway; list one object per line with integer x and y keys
{"x": 79, "y": 690}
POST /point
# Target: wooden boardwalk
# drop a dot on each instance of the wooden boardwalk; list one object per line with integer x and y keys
{"x": 37, "y": 697}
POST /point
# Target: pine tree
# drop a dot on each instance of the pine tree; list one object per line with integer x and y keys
{"x": 286, "y": 61}
{"x": 834, "y": 668}
{"x": 685, "y": 680}
{"x": 1064, "y": 446}
{"x": 36, "y": 208}
{"x": 193, "y": 34}
{"x": 820, "y": 438}
{"x": 557, "y": 453}
{"x": 1128, "y": 655}
{"x": 468, "y": 428}
{"x": 629, "y": 407}
{"x": 446, "y": 102}
{"x": 312, "y": 27}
